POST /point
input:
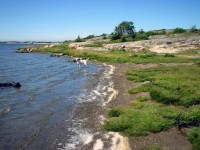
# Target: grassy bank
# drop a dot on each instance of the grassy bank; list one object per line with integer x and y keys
{"x": 118, "y": 56}
{"x": 174, "y": 102}
{"x": 177, "y": 85}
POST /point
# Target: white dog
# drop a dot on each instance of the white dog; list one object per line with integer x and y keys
{"x": 80, "y": 61}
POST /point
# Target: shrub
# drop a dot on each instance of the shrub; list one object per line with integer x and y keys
{"x": 89, "y": 37}
{"x": 149, "y": 33}
{"x": 79, "y": 39}
{"x": 115, "y": 112}
{"x": 193, "y": 29}
{"x": 103, "y": 34}
{"x": 194, "y": 138}
{"x": 141, "y": 37}
{"x": 123, "y": 39}
{"x": 115, "y": 36}
{"x": 141, "y": 31}
{"x": 179, "y": 30}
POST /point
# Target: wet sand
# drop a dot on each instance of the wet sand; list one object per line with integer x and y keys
{"x": 90, "y": 113}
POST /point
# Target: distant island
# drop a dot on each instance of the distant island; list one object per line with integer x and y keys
{"x": 27, "y": 42}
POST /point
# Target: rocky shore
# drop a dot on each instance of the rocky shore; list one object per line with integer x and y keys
{"x": 156, "y": 43}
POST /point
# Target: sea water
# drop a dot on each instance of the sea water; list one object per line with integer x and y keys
{"x": 37, "y": 115}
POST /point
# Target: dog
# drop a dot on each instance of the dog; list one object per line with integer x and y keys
{"x": 80, "y": 61}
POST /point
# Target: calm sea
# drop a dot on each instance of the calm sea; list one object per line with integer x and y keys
{"x": 36, "y": 115}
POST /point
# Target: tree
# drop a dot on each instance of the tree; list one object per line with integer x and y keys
{"x": 141, "y": 31}
{"x": 124, "y": 29}
{"x": 193, "y": 28}
{"x": 79, "y": 39}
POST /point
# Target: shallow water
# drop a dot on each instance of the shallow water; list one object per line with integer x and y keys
{"x": 36, "y": 116}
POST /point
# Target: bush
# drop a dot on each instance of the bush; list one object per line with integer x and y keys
{"x": 141, "y": 37}
{"x": 194, "y": 138}
{"x": 79, "y": 39}
{"x": 123, "y": 39}
{"x": 89, "y": 37}
{"x": 179, "y": 30}
{"x": 115, "y": 36}
{"x": 169, "y": 55}
{"x": 115, "y": 112}
{"x": 193, "y": 29}
{"x": 149, "y": 33}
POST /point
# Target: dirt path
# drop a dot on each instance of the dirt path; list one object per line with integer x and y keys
{"x": 171, "y": 139}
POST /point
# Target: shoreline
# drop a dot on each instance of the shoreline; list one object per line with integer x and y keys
{"x": 119, "y": 97}
{"x": 90, "y": 113}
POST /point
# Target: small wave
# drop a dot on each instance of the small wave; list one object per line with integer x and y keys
{"x": 101, "y": 94}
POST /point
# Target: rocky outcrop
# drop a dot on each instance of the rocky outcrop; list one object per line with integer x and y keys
{"x": 10, "y": 84}
{"x": 51, "y": 45}
{"x": 159, "y": 44}
{"x": 32, "y": 49}
{"x": 79, "y": 44}
{"x": 26, "y": 50}
{"x": 57, "y": 55}
{"x": 99, "y": 38}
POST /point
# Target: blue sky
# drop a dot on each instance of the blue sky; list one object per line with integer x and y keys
{"x": 59, "y": 20}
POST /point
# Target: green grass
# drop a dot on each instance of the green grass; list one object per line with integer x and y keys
{"x": 117, "y": 56}
{"x": 153, "y": 147}
{"x": 175, "y": 100}
{"x": 154, "y": 117}
{"x": 191, "y": 52}
{"x": 139, "y": 121}
{"x": 96, "y": 44}
{"x": 170, "y": 84}
{"x": 142, "y": 98}
{"x": 194, "y": 138}
{"x": 56, "y": 49}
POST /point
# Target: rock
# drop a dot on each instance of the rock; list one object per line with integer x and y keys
{"x": 157, "y": 37}
{"x": 26, "y": 50}
{"x": 46, "y": 46}
{"x": 10, "y": 84}
{"x": 57, "y": 55}
{"x": 79, "y": 44}
{"x": 159, "y": 44}
{"x": 17, "y": 85}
